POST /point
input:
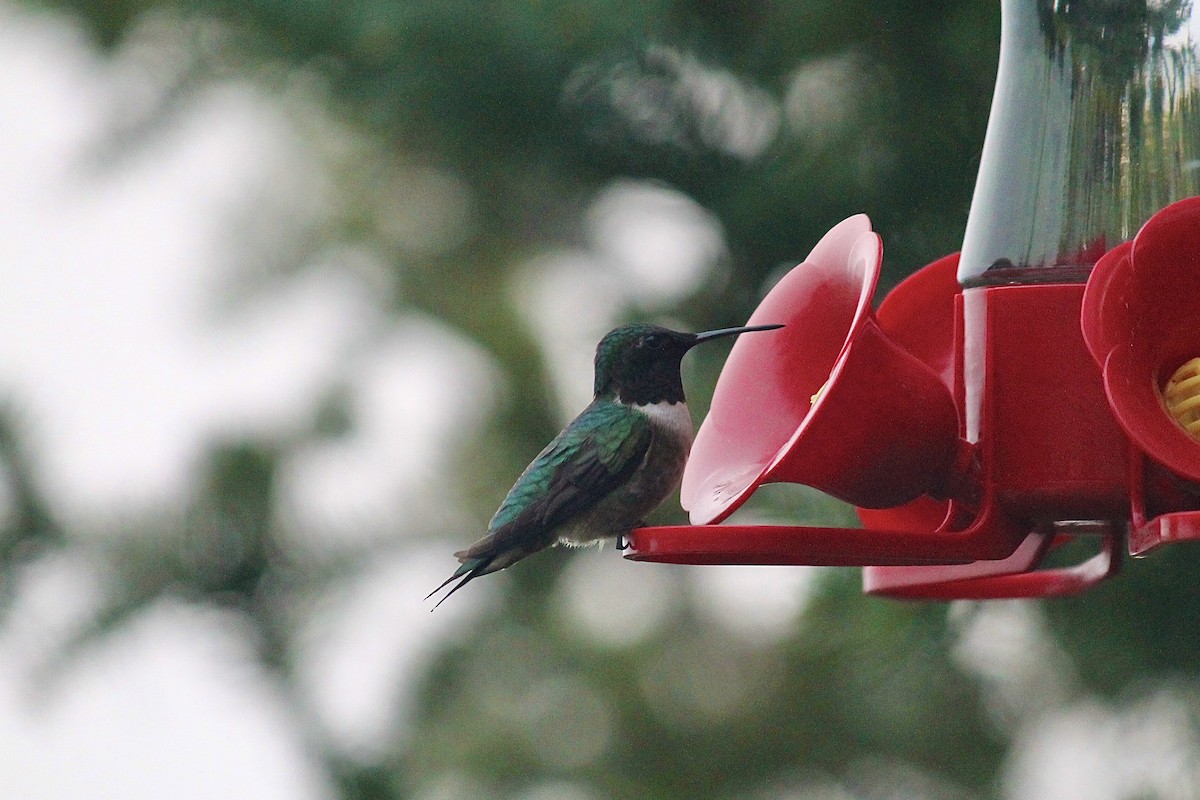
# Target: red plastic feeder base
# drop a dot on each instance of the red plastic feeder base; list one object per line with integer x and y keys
{"x": 789, "y": 545}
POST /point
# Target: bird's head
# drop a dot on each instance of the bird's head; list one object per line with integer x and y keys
{"x": 639, "y": 364}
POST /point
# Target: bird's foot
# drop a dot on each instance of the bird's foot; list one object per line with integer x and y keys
{"x": 622, "y": 543}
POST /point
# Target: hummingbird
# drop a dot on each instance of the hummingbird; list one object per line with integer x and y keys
{"x": 613, "y": 464}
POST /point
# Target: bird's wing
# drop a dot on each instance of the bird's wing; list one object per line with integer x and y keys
{"x": 590, "y": 458}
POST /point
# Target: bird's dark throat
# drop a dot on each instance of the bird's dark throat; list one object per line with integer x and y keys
{"x": 651, "y": 386}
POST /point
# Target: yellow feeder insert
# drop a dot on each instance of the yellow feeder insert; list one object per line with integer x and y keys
{"x": 1182, "y": 396}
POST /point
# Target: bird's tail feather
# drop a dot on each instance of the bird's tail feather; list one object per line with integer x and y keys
{"x": 468, "y": 571}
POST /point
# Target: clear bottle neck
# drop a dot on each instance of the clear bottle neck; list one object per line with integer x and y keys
{"x": 1095, "y": 126}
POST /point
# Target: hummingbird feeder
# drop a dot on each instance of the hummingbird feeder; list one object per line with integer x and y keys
{"x": 1042, "y": 386}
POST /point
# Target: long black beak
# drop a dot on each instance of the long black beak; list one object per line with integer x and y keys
{"x": 717, "y": 334}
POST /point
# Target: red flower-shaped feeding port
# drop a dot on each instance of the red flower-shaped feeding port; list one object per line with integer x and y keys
{"x": 820, "y": 403}
{"x": 1139, "y": 320}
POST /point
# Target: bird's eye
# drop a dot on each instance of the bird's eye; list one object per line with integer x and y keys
{"x": 652, "y": 340}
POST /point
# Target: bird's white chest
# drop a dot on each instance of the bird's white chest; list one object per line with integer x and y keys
{"x": 673, "y": 417}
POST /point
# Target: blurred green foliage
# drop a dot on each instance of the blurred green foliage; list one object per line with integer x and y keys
{"x": 535, "y": 105}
